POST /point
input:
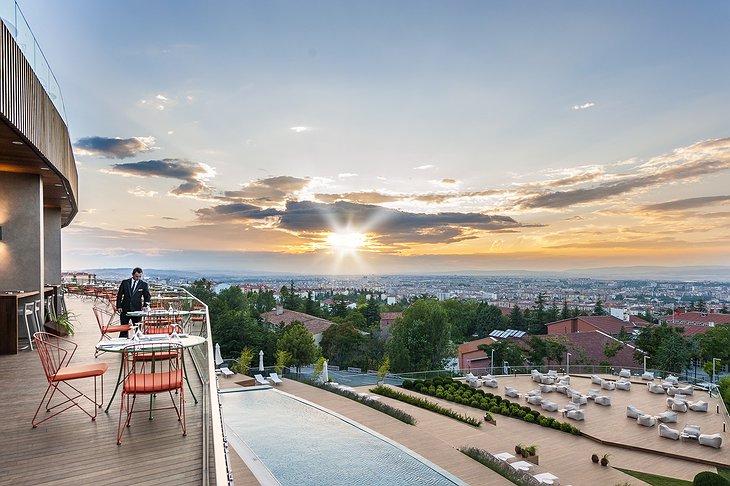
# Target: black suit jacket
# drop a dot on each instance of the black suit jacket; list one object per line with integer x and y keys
{"x": 128, "y": 302}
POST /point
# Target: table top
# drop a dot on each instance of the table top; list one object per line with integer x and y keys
{"x": 117, "y": 345}
{"x": 18, "y": 293}
{"x": 157, "y": 313}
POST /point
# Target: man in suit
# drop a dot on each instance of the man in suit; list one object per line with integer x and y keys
{"x": 133, "y": 295}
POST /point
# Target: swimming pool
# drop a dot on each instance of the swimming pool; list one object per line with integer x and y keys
{"x": 302, "y": 444}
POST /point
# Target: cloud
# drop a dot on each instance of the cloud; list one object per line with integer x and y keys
{"x": 141, "y": 192}
{"x": 300, "y": 129}
{"x": 684, "y": 204}
{"x": 683, "y": 164}
{"x": 159, "y": 102}
{"x": 193, "y": 174}
{"x": 365, "y": 197}
{"x": 345, "y": 175}
{"x": 425, "y": 167}
{"x": 272, "y": 190}
{"x": 113, "y": 148}
{"x": 448, "y": 181}
{"x": 235, "y": 212}
{"x": 584, "y": 106}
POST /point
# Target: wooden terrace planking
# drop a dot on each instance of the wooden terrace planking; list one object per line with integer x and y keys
{"x": 70, "y": 449}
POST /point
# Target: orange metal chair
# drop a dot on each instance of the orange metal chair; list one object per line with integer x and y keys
{"x": 151, "y": 370}
{"x": 160, "y": 325}
{"x": 55, "y": 354}
{"x": 104, "y": 319}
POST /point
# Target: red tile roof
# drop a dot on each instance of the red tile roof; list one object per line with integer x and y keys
{"x": 315, "y": 325}
{"x": 607, "y": 324}
{"x": 696, "y": 318}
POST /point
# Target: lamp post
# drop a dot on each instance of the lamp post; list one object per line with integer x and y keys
{"x": 713, "y": 369}
{"x": 567, "y": 367}
{"x": 492, "y": 363}
{"x": 645, "y": 356}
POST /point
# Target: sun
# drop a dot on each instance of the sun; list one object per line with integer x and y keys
{"x": 346, "y": 242}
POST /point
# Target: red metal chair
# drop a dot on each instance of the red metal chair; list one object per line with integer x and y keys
{"x": 104, "y": 319}
{"x": 151, "y": 370}
{"x": 55, "y": 354}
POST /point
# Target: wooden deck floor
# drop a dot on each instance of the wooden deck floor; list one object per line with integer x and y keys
{"x": 70, "y": 449}
{"x": 438, "y": 438}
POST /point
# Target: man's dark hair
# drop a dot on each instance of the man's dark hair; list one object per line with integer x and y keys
{"x": 137, "y": 270}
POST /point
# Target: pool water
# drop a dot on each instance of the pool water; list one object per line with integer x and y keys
{"x": 304, "y": 445}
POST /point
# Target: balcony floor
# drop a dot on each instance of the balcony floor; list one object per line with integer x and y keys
{"x": 70, "y": 449}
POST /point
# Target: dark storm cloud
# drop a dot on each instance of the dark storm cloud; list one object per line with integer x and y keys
{"x": 192, "y": 173}
{"x": 114, "y": 148}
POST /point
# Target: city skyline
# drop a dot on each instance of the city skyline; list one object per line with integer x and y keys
{"x": 393, "y": 137}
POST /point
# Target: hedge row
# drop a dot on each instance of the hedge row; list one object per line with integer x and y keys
{"x": 377, "y": 405}
{"x": 420, "y": 402}
{"x": 458, "y": 392}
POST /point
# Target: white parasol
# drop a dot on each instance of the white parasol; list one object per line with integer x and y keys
{"x": 261, "y": 360}
{"x": 325, "y": 373}
{"x": 217, "y": 356}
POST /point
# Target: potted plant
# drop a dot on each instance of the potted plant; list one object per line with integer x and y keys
{"x": 62, "y": 325}
{"x": 518, "y": 449}
{"x": 595, "y": 458}
{"x": 489, "y": 419}
{"x": 604, "y": 460}
{"x": 529, "y": 453}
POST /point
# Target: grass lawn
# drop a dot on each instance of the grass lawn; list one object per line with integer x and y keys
{"x": 655, "y": 480}
{"x": 724, "y": 472}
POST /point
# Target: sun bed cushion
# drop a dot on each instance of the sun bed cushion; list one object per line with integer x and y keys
{"x": 475, "y": 383}
{"x": 549, "y": 406}
{"x": 624, "y": 373}
{"x": 576, "y": 414}
{"x": 669, "y": 433}
{"x": 633, "y": 412}
{"x": 225, "y": 371}
{"x": 603, "y": 400}
{"x": 510, "y": 392}
{"x": 623, "y": 385}
{"x": 608, "y": 385}
{"x": 596, "y": 380}
{"x": 699, "y": 406}
{"x": 672, "y": 379}
{"x": 492, "y": 383}
{"x": 710, "y": 440}
{"x": 648, "y": 376}
{"x": 547, "y": 388}
{"x": 655, "y": 388}
{"x": 534, "y": 400}
{"x": 680, "y": 406}
{"x": 646, "y": 420}
{"x": 593, "y": 393}
{"x": 668, "y": 417}
{"x": 691, "y": 431}
{"x": 579, "y": 399}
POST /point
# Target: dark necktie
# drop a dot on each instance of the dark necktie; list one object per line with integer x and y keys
{"x": 134, "y": 285}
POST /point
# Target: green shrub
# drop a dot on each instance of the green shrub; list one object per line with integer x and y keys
{"x": 407, "y": 384}
{"x": 529, "y": 418}
{"x": 420, "y": 402}
{"x": 494, "y": 409}
{"x": 565, "y": 427}
{"x": 431, "y": 390}
{"x": 707, "y": 478}
{"x": 439, "y": 393}
{"x": 556, "y": 424}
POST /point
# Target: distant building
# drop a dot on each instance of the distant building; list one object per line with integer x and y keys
{"x": 386, "y": 320}
{"x": 695, "y": 322}
{"x": 607, "y": 324}
{"x": 315, "y": 325}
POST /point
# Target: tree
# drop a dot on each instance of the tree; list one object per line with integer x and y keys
{"x": 419, "y": 339}
{"x": 339, "y": 306}
{"x": 263, "y": 300}
{"x": 673, "y": 354}
{"x": 243, "y": 362}
{"x": 299, "y": 343}
{"x": 612, "y": 348}
{"x": 343, "y": 345}
{"x": 310, "y": 306}
{"x": 203, "y": 290}
{"x": 504, "y": 350}
{"x": 565, "y": 311}
{"x": 489, "y": 317}
{"x": 650, "y": 340}
{"x": 723, "y": 309}
{"x": 371, "y": 311}
{"x": 536, "y": 323}
{"x": 598, "y": 309}
{"x": 462, "y": 317}
{"x": 715, "y": 343}
{"x": 517, "y": 319}
{"x": 623, "y": 335}
{"x": 282, "y": 360}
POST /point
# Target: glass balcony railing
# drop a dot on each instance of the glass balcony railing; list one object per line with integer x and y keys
{"x": 15, "y": 22}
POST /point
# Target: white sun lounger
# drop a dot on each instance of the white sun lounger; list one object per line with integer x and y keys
{"x": 274, "y": 377}
{"x": 261, "y": 380}
{"x": 225, "y": 371}
{"x": 546, "y": 478}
